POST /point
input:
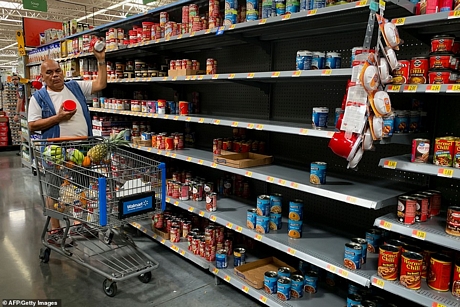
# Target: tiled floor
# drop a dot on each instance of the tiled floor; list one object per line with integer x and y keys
{"x": 177, "y": 282}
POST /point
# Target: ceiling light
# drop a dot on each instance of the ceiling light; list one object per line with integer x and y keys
{"x": 9, "y": 46}
{"x": 104, "y": 10}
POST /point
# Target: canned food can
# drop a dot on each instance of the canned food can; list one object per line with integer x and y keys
{"x": 263, "y": 205}
{"x": 211, "y": 201}
{"x": 456, "y": 281}
{"x": 303, "y": 60}
{"x": 184, "y": 191}
{"x": 251, "y": 216}
{"x": 354, "y": 300}
{"x": 158, "y": 220}
{"x": 169, "y": 143}
{"x": 284, "y": 272}
{"x": 401, "y": 75}
{"x": 435, "y": 201}
{"x": 420, "y": 150}
{"x": 407, "y": 207}
{"x": 388, "y": 263}
{"x": 353, "y": 256}
{"x": 292, "y": 6}
{"x": 280, "y": 7}
{"x": 295, "y": 229}
{"x": 283, "y": 291}
{"x": 186, "y": 228}
{"x": 439, "y": 272}
{"x": 320, "y": 117}
{"x": 443, "y": 152}
{"x": 399, "y": 244}
{"x": 453, "y": 221}
{"x": 367, "y": 303}
{"x": 276, "y": 202}
{"x": 228, "y": 245}
{"x": 296, "y": 210}
{"x": 262, "y": 224}
{"x": 202, "y": 248}
{"x": 411, "y": 270}
{"x": 318, "y": 172}
{"x": 146, "y": 136}
{"x": 310, "y": 282}
{"x": 239, "y": 256}
{"x": 174, "y": 234}
{"x": 210, "y": 235}
{"x": 270, "y": 279}
{"x": 275, "y": 221}
{"x": 374, "y": 238}
{"x": 318, "y": 60}
{"x": 297, "y": 284}
{"x": 456, "y": 158}
{"x": 418, "y": 71}
{"x": 422, "y": 208}
{"x": 363, "y": 244}
{"x": 330, "y": 279}
{"x": 333, "y": 60}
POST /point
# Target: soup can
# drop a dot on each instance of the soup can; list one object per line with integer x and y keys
{"x": 284, "y": 272}
{"x": 435, "y": 204}
{"x": 251, "y": 216}
{"x": 276, "y": 203}
{"x": 333, "y": 60}
{"x": 420, "y": 150}
{"x": 295, "y": 229}
{"x": 263, "y": 205}
{"x": 453, "y": 221}
{"x": 239, "y": 256}
{"x": 401, "y": 75}
{"x": 411, "y": 270}
{"x": 262, "y": 224}
{"x": 283, "y": 288}
{"x": 330, "y": 279}
{"x": 422, "y": 208}
{"x": 318, "y": 172}
{"x": 275, "y": 221}
{"x": 211, "y": 201}
{"x": 270, "y": 280}
{"x": 296, "y": 210}
{"x": 352, "y": 256}
{"x": 297, "y": 284}
{"x": 374, "y": 238}
{"x": 303, "y": 60}
{"x": 456, "y": 281}
{"x": 418, "y": 71}
{"x": 439, "y": 272}
{"x": 221, "y": 259}
{"x": 363, "y": 244}
{"x": 407, "y": 207}
{"x": 320, "y": 117}
{"x": 354, "y": 300}
{"x": 310, "y": 282}
{"x": 388, "y": 263}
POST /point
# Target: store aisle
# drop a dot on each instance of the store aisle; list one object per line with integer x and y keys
{"x": 176, "y": 283}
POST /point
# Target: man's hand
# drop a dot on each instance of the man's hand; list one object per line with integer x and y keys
{"x": 100, "y": 56}
{"x": 64, "y": 115}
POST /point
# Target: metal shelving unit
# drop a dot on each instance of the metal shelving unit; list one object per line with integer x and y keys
{"x": 425, "y": 296}
{"x": 368, "y": 194}
{"x": 424, "y": 88}
{"x": 403, "y": 163}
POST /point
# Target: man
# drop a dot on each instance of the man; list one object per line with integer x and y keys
{"x": 20, "y": 105}
{"x": 46, "y": 112}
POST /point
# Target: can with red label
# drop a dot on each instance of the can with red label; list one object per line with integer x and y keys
{"x": 388, "y": 263}
{"x": 202, "y": 249}
{"x": 435, "y": 201}
{"x": 211, "y": 201}
{"x": 184, "y": 194}
{"x": 158, "y": 220}
{"x": 422, "y": 207}
{"x": 407, "y": 207}
{"x": 174, "y": 234}
{"x": 401, "y": 75}
{"x": 456, "y": 281}
{"x": 420, "y": 150}
{"x": 441, "y": 76}
{"x": 186, "y": 228}
{"x": 169, "y": 143}
{"x": 442, "y": 60}
{"x": 418, "y": 71}
{"x": 442, "y": 43}
{"x": 196, "y": 245}
{"x": 217, "y": 146}
{"x": 411, "y": 270}
{"x": 453, "y": 221}
{"x": 210, "y": 235}
{"x": 439, "y": 272}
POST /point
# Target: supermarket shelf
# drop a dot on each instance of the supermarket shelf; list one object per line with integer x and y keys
{"x": 424, "y": 296}
{"x": 403, "y": 163}
{"x": 432, "y": 230}
{"x": 424, "y": 88}
{"x": 181, "y": 248}
{"x": 431, "y": 23}
{"x": 266, "y": 125}
{"x": 317, "y": 246}
{"x": 370, "y": 194}
{"x": 321, "y": 298}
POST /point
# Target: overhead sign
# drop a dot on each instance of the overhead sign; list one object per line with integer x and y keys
{"x": 35, "y": 5}
{"x": 20, "y": 40}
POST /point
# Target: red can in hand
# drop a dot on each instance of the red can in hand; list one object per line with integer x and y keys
{"x": 69, "y": 105}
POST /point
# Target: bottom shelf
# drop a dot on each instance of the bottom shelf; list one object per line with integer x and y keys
{"x": 424, "y": 296}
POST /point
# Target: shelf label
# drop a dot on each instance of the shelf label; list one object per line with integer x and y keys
{"x": 394, "y": 88}
{"x": 163, "y": 241}
{"x": 262, "y": 21}
{"x": 155, "y": 236}
{"x": 275, "y": 74}
{"x": 167, "y": 39}
{"x": 250, "y": 75}
{"x": 232, "y": 27}
{"x": 445, "y": 172}
{"x": 214, "y": 77}
{"x": 297, "y": 73}
{"x": 378, "y": 283}
{"x": 155, "y": 115}
{"x": 201, "y": 213}
{"x": 192, "y": 34}
{"x": 258, "y": 237}
{"x": 168, "y": 153}
{"x": 282, "y": 182}
{"x": 453, "y": 14}
{"x": 248, "y": 174}
{"x": 433, "y": 88}
{"x": 165, "y": 78}
{"x": 436, "y": 304}
{"x": 194, "y": 77}
{"x": 175, "y": 248}
{"x": 419, "y": 234}
{"x": 174, "y": 155}
{"x": 179, "y": 36}
{"x": 235, "y": 124}
{"x": 231, "y": 76}
{"x": 312, "y": 12}
{"x": 182, "y": 252}
{"x": 286, "y": 17}
{"x": 189, "y": 159}
{"x": 187, "y": 78}
{"x": 227, "y": 278}
{"x": 294, "y": 185}
{"x": 217, "y": 122}
{"x": 200, "y": 162}
{"x": 386, "y": 225}
{"x": 229, "y": 225}
{"x": 159, "y": 152}
{"x": 259, "y": 127}
{"x": 191, "y": 209}
{"x": 263, "y": 299}
{"x": 331, "y": 268}
{"x": 168, "y": 200}
{"x": 176, "y": 203}
{"x": 200, "y": 77}
{"x": 176, "y": 117}
{"x": 390, "y": 164}
{"x": 174, "y": 78}
{"x": 291, "y": 251}
{"x": 453, "y": 88}
{"x": 270, "y": 179}
{"x": 207, "y": 31}
{"x": 245, "y": 289}
{"x": 213, "y": 218}
{"x": 149, "y": 149}
{"x": 214, "y": 165}
{"x": 136, "y": 225}
{"x": 250, "y": 126}
{"x": 361, "y": 3}
{"x": 303, "y": 131}
{"x": 351, "y": 199}
{"x": 215, "y": 271}
{"x": 410, "y": 88}
{"x": 239, "y": 229}
{"x": 187, "y": 119}
{"x": 201, "y": 120}
{"x": 326, "y": 72}
{"x": 343, "y": 273}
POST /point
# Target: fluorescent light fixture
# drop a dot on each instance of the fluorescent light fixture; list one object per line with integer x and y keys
{"x": 104, "y": 10}
{"x": 10, "y": 5}
{"x": 10, "y": 20}
{"x": 9, "y": 46}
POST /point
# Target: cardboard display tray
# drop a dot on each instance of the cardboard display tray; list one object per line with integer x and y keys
{"x": 243, "y": 160}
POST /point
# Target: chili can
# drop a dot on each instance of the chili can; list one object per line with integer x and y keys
{"x": 422, "y": 210}
{"x": 406, "y": 210}
{"x": 221, "y": 259}
{"x": 270, "y": 279}
{"x": 310, "y": 282}
{"x": 276, "y": 202}
{"x": 283, "y": 290}
{"x": 263, "y": 205}
{"x": 411, "y": 270}
{"x": 158, "y": 220}
{"x": 297, "y": 284}
{"x": 420, "y": 150}
{"x": 239, "y": 256}
{"x": 211, "y": 201}
{"x": 399, "y": 244}
{"x": 388, "y": 263}
{"x": 456, "y": 281}
{"x": 202, "y": 248}
{"x": 363, "y": 243}
{"x": 418, "y": 70}
{"x": 186, "y": 228}
{"x": 353, "y": 256}
{"x": 453, "y": 221}
{"x": 439, "y": 272}
{"x": 174, "y": 234}
{"x": 443, "y": 152}
{"x": 251, "y": 218}
{"x": 374, "y": 238}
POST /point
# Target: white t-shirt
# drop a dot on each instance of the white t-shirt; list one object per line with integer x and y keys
{"x": 76, "y": 126}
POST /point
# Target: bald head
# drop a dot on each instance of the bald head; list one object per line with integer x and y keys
{"x": 52, "y": 75}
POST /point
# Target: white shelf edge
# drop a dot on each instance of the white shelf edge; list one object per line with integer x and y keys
{"x": 403, "y": 163}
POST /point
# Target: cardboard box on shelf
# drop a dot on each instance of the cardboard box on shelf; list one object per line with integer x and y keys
{"x": 253, "y": 273}
{"x": 243, "y": 160}
{"x": 161, "y": 232}
{"x": 185, "y": 72}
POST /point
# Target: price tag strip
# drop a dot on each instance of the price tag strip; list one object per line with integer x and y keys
{"x": 419, "y": 234}
{"x": 378, "y": 282}
{"x": 390, "y": 164}
{"x": 386, "y": 225}
{"x": 446, "y": 172}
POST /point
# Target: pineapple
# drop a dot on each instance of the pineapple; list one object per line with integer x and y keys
{"x": 99, "y": 152}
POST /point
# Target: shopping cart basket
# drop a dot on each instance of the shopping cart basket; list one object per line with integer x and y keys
{"x": 100, "y": 198}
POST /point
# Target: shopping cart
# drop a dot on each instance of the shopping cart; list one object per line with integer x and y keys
{"x": 100, "y": 199}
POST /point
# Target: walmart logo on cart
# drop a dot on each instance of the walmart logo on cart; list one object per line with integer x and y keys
{"x": 136, "y": 205}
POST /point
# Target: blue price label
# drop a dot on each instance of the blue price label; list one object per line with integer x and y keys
{"x": 374, "y": 6}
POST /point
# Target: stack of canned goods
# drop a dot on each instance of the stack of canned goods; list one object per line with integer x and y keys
{"x": 418, "y": 207}
{"x": 355, "y": 253}
{"x": 237, "y": 145}
{"x": 404, "y": 121}
{"x": 284, "y": 284}
{"x": 267, "y": 214}
{"x": 307, "y": 60}
{"x": 184, "y": 64}
{"x": 363, "y": 297}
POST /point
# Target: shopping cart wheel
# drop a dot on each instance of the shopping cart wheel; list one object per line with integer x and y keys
{"x": 110, "y": 288}
{"x": 44, "y": 254}
{"x": 146, "y": 277}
